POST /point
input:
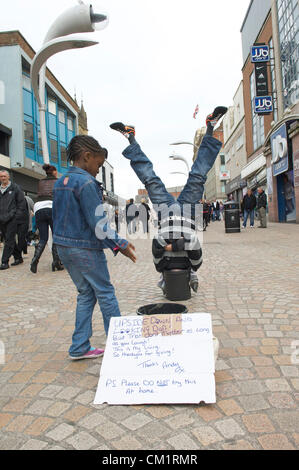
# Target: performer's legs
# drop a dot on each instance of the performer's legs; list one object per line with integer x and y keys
{"x": 143, "y": 168}
{"x": 206, "y": 156}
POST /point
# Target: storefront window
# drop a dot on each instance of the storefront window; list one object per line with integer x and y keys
{"x": 63, "y": 156}
{"x": 273, "y": 81}
{"x": 28, "y": 135}
{"x": 54, "y": 150}
{"x": 52, "y": 106}
{"x": 61, "y": 116}
{"x": 288, "y": 18}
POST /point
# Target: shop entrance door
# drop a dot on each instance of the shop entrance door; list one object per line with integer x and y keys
{"x": 286, "y": 197}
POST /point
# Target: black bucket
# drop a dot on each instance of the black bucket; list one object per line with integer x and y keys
{"x": 161, "y": 309}
{"x": 177, "y": 285}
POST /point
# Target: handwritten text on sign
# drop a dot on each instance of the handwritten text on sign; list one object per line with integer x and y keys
{"x": 158, "y": 359}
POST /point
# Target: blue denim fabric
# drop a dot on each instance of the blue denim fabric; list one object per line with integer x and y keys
{"x": 78, "y": 216}
{"x": 89, "y": 272}
{"x": 246, "y": 214}
{"x": 194, "y": 188}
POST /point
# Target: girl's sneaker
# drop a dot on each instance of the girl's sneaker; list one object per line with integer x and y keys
{"x": 91, "y": 354}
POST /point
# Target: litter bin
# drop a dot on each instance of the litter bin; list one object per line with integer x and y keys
{"x": 232, "y": 217}
{"x": 161, "y": 309}
{"x": 177, "y": 284}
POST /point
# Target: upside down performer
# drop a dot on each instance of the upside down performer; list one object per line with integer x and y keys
{"x": 176, "y": 245}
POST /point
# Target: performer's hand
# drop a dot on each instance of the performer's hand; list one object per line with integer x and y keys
{"x": 168, "y": 248}
{"x": 129, "y": 252}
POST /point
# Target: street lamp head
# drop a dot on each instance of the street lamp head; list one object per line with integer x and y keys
{"x": 77, "y": 19}
{"x": 99, "y": 21}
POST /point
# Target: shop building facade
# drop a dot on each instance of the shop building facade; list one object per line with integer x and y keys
{"x": 19, "y": 116}
{"x": 235, "y": 146}
{"x": 272, "y": 139}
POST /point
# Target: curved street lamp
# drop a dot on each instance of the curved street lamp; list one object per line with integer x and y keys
{"x": 178, "y": 173}
{"x": 78, "y": 19}
{"x": 183, "y": 159}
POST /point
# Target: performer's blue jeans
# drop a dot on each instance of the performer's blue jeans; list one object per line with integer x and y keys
{"x": 194, "y": 188}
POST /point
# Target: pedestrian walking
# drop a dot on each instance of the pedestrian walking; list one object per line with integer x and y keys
{"x": 262, "y": 208}
{"x": 205, "y": 210}
{"x": 175, "y": 246}
{"x": 144, "y": 215}
{"x": 249, "y": 204}
{"x": 22, "y": 220}
{"x": 81, "y": 233}
{"x": 43, "y": 218}
{"x": 12, "y": 203}
{"x": 131, "y": 214}
{"x": 217, "y": 210}
{"x": 30, "y": 207}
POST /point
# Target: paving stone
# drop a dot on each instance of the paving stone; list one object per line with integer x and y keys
{"x": 50, "y": 391}
{"x": 278, "y": 385}
{"x": 76, "y": 413}
{"x": 238, "y": 445}
{"x": 127, "y": 443}
{"x": 159, "y": 411}
{"x": 39, "y": 407}
{"x": 240, "y": 362}
{"x": 82, "y": 441}
{"x": 5, "y": 418}
{"x": 253, "y": 402}
{"x": 229, "y": 428}
{"x": 290, "y": 371}
{"x": 206, "y": 435}
{"x": 136, "y": 421}
{"x": 109, "y": 430}
{"x": 208, "y": 413}
{"x": 61, "y": 432}
{"x": 281, "y": 400}
{"x": 183, "y": 442}
{"x": 250, "y": 387}
{"x": 34, "y": 444}
{"x": 258, "y": 423}
{"x": 20, "y": 423}
{"x": 39, "y": 426}
{"x": 92, "y": 420}
{"x": 230, "y": 407}
{"x": 275, "y": 442}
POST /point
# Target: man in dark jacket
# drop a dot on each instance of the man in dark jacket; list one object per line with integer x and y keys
{"x": 249, "y": 204}
{"x": 12, "y": 202}
{"x": 144, "y": 215}
{"x": 261, "y": 207}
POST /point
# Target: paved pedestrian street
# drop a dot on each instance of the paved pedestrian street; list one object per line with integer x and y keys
{"x": 248, "y": 282}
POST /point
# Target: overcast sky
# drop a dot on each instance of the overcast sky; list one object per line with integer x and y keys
{"x": 155, "y": 62}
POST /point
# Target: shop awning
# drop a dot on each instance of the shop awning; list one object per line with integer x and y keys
{"x": 254, "y": 166}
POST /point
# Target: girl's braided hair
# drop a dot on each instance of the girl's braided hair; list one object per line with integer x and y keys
{"x": 81, "y": 143}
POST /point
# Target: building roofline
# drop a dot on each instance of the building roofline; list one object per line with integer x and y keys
{"x": 18, "y": 33}
{"x": 246, "y": 15}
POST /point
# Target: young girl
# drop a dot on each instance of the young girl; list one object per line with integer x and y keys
{"x": 81, "y": 232}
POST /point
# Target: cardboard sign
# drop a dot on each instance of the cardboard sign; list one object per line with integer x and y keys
{"x": 158, "y": 359}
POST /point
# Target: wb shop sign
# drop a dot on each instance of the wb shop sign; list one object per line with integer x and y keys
{"x": 263, "y": 102}
{"x": 279, "y": 148}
